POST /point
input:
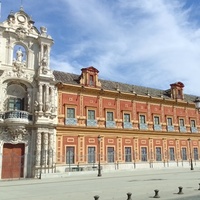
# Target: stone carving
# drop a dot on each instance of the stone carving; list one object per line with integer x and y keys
{"x": 14, "y": 134}
{"x": 19, "y": 63}
{"x": 21, "y": 32}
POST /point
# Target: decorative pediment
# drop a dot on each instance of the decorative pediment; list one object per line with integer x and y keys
{"x": 89, "y": 77}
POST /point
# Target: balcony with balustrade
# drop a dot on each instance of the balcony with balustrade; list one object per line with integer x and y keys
{"x": 16, "y": 116}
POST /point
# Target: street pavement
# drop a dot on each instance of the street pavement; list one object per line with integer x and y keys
{"x": 112, "y": 185}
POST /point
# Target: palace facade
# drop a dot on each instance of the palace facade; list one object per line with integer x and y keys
{"x": 52, "y": 121}
{"x": 120, "y": 126}
{"x": 28, "y": 103}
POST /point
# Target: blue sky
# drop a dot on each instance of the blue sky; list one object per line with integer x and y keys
{"x": 151, "y": 43}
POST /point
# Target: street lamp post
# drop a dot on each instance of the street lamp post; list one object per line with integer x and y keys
{"x": 191, "y": 163}
{"x": 99, "y": 151}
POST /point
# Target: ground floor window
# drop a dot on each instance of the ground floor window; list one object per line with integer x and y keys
{"x": 184, "y": 154}
{"x": 158, "y": 154}
{"x": 110, "y": 154}
{"x": 128, "y": 156}
{"x": 196, "y": 155}
{"x": 91, "y": 155}
{"x": 70, "y": 155}
{"x": 171, "y": 153}
{"x": 143, "y": 153}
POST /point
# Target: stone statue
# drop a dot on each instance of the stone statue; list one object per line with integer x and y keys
{"x": 20, "y": 55}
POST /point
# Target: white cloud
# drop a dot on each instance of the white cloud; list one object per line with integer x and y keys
{"x": 142, "y": 42}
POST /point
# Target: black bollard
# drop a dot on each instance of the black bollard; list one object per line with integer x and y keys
{"x": 199, "y": 186}
{"x": 129, "y": 196}
{"x": 96, "y": 197}
{"x": 180, "y": 190}
{"x": 156, "y": 194}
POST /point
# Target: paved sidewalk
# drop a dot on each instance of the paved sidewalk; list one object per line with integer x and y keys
{"x": 111, "y": 186}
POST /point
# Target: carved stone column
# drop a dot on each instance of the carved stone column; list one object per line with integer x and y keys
{"x": 47, "y": 99}
{"x": 38, "y": 149}
{"x": 50, "y": 158}
{"x": 45, "y": 149}
{"x": 40, "y": 98}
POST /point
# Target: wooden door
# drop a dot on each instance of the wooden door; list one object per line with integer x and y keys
{"x": 13, "y": 161}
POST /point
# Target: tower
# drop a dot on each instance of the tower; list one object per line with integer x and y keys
{"x": 28, "y": 98}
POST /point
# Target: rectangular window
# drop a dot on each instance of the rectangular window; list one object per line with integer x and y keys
{"x": 184, "y": 154}
{"x": 142, "y": 119}
{"x": 169, "y": 121}
{"x": 110, "y": 116}
{"x": 70, "y": 112}
{"x": 15, "y": 104}
{"x": 143, "y": 153}
{"x": 126, "y": 117}
{"x": 196, "y": 154}
{"x": 193, "y": 124}
{"x": 156, "y": 120}
{"x": 91, "y": 155}
{"x": 110, "y": 154}
{"x": 171, "y": 153}
{"x": 181, "y": 122}
{"x": 91, "y": 114}
{"x": 158, "y": 154}
{"x": 128, "y": 156}
{"x": 70, "y": 155}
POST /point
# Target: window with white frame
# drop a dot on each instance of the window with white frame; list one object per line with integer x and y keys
{"x": 128, "y": 155}
{"x": 70, "y": 155}
{"x": 156, "y": 120}
{"x": 169, "y": 121}
{"x": 142, "y": 119}
{"x": 143, "y": 153}
{"x": 110, "y": 154}
{"x": 110, "y": 116}
{"x": 70, "y": 112}
{"x": 158, "y": 154}
{"x": 91, "y": 155}
{"x": 192, "y": 122}
{"x": 126, "y": 117}
{"x": 184, "y": 153}
{"x": 196, "y": 154}
{"x": 171, "y": 153}
{"x": 91, "y": 114}
{"x": 181, "y": 122}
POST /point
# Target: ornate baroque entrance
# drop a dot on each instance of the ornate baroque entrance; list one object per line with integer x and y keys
{"x": 13, "y": 161}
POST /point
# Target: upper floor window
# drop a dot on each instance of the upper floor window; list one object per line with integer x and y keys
{"x": 169, "y": 121}
{"x": 156, "y": 120}
{"x": 181, "y": 122}
{"x": 126, "y": 117}
{"x": 193, "y": 124}
{"x": 142, "y": 119}
{"x": 110, "y": 116}
{"x": 91, "y": 114}
{"x": 70, "y": 112}
{"x": 15, "y": 104}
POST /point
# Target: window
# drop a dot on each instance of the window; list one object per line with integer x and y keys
{"x": 110, "y": 154}
{"x": 91, "y": 80}
{"x": 70, "y": 112}
{"x": 193, "y": 124}
{"x": 169, "y": 121}
{"x": 128, "y": 156}
{"x": 142, "y": 119}
{"x": 171, "y": 153}
{"x": 158, "y": 154}
{"x": 15, "y": 104}
{"x": 70, "y": 155}
{"x": 126, "y": 117}
{"x": 144, "y": 154}
{"x": 91, "y": 114}
{"x": 196, "y": 155}
{"x": 181, "y": 122}
{"x": 184, "y": 154}
{"x": 91, "y": 155}
{"x": 109, "y": 116}
{"x": 156, "y": 120}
